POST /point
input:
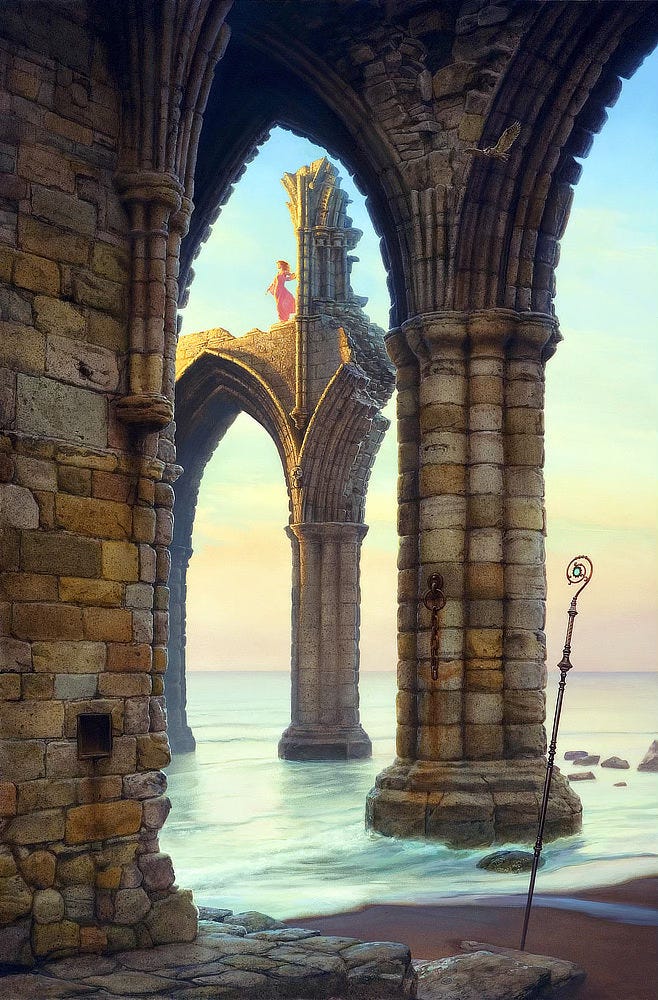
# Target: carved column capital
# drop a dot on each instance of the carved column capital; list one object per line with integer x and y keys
{"x": 451, "y": 332}
{"x": 341, "y": 531}
{"x": 149, "y": 187}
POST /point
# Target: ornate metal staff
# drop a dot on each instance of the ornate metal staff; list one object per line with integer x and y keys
{"x": 580, "y": 571}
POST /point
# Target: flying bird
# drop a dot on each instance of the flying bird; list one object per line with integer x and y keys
{"x": 501, "y": 150}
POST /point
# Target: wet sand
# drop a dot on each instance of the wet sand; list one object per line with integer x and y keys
{"x": 620, "y": 958}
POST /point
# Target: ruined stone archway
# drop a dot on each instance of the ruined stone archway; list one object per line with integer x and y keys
{"x": 102, "y": 169}
{"x": 316, "y": 384}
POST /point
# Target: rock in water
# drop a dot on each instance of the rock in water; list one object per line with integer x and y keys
{"x": 588, "y": 760}
{"x": 575, "y": 754}
{"x": 582, "y": 776}
{"x": 650, "y": 760}
{"x": 619, "y": 784}
{"x": 508, "y": 861}
{"x": 617, "y": 762}
{"x": 254, "y": 921}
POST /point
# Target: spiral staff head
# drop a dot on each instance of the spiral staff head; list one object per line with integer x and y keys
{"x": 579, "y": 570}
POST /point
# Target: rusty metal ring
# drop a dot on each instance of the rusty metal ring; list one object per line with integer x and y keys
{"x": 435, "y": 599}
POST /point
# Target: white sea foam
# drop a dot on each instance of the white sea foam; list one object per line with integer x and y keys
{"x": 249, "y": 831}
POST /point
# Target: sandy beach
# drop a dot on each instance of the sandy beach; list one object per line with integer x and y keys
{"x": 620, "y": 957}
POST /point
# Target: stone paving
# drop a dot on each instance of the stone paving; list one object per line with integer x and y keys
{"x": 249, "y": 956}
{"x": 261, "y": 965}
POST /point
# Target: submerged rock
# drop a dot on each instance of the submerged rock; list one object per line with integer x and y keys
{"x": 582, "y": 776}
{"x": 508, "y": 861}
{"x": 481, "y": 974}
{"x": 575, "y": 754}
{"x": 589, "y": 760}
{"x": 650, "y": 760}
{"x": 620, "y": 784}
{"x": 617, "y": 762}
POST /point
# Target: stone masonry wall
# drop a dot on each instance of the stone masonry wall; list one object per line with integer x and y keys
{"x": 85, "y": 522}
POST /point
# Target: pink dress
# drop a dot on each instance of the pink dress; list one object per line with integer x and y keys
{"x": 285, "y": 300}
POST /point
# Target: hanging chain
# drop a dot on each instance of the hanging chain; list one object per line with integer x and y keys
{"x": 435, "y": 600}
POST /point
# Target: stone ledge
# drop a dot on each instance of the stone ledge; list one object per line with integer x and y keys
{"x": 265, "y": 965}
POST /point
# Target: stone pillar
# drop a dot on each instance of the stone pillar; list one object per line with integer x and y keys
{"x": 325, "y": 644}
{"x": 470, "y": 766}
{"x": 181, "y": 737}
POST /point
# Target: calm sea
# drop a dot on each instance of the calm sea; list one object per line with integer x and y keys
{"x": 249, "y": 831}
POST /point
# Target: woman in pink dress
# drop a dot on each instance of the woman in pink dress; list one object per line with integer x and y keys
{"x": 285, "y": 301}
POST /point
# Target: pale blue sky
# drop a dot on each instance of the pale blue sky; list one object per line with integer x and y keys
{"x": 600, "y": 414}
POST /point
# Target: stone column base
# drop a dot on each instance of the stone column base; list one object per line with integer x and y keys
{"x": 471, "y": 803}
{"x": 326, "y": 743}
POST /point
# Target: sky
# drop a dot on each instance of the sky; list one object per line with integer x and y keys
{"x": 601, "y": 410}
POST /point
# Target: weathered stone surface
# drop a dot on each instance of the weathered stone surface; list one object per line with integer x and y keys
{"x": 48, "y": 906}
{"x": 101, "y": 820}
{"x": 15, "y": 898}
{"x": 18, "y": 508}
{"x": 508, "y": 861}
{"x": 480, "y": 974}
{"x": 131, "y": 905}
{"x": 38, "y": 868}
{"x": 588, "y": 760}
{"x": 650, "y": 760}
{"x": 582, "y": 776}
{"x": 252, "y": 921}
{"x": 173, "y": 918}
{"x": 158, "y": 871}
{"x": 575, "y": 754}
{"x": 15, "y": 947}
{"x": 617, "y": 763}
{"x": 47, "y": 408}
{"x": 565, "y": 977}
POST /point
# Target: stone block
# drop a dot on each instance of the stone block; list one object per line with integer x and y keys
{"x": 99, "y": 789}
{"x": 97, "y": 593}
{"x": 75, "y": 867}
{"x": 57, "y": 317}
{"x": 7, "y": 799}
{"x": 95, "y": 518}
{"x": 99, "y": 293}
{"x": 70, "y": 686}
{"x": 31, "y": 720}
{"x": 526, "y": 740}
{"x": 79, "y": 903}
{"x": 153, "y": 751}
{"x": 62, "y": 209}
{"x": 135, "y": 657}
{"x": 36, "y": 473}
{"x": 123, "y": 759}
{"x": 124, "y": 685}
{"x": 524, "y": 706}
{"x": 15, "y": 899}
{"x": 483, "y": 708}
{"x": 46, "y": 621}
{"x": 43, "y": 827}
{"x": 15, "y": 656}
{"x": 51, "y": 241}
{"x": 485, "y": 581}
{"x": 22, "y": 348}
{"x": 38, "y": 869}
{"x": 47, "y": 793}
{"x": 136, "y": 717}
{"x": 173, "y": 919}
{"x": 55, "y": 939}
{"x": 108, "y": 624}
{"x": 38, "y": 687}
{"x": 46, "y": 408}
{"x": 157, "y": 870}
{"x": 106, "y": 331}
{"x": 60, "y": 553}
{"x": 109, "y": 261}
{"x": 22, "y": 760}
{"x": 62, "y": 760}
{"x": 131, "y": 905}
{"x": 69, "y": 657}
{"x": 37, "y": 274}
{"x": 10, "y": 687}
{"x": 484, "y": 643}
{"x": 101, "y": 820}
{"x": 144, "y": 784}
{"x": 120, "y": 561}
{"x": 156, "y": 811}
{"x": 48, "y": 906}
{"x": 112, "y": 486}
{"x": 81, "y": 364}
